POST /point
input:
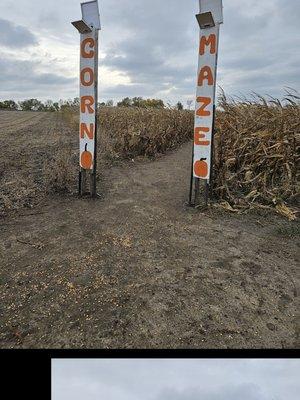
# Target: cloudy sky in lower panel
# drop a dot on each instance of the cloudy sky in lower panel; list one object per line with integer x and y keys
{"x": 147, "y": 48}
{"x": 175, "y": 379}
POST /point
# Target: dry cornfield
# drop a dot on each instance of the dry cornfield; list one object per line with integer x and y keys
{"x": 255, "y": 159}
{"x": 257, "y": 152}
{"x": 144, "y": 132}
{"x": 129, "y": 132}
{"x": 256, "y": 146}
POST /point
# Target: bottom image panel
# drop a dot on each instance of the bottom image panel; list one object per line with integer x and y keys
{"x": 175, "y": 379}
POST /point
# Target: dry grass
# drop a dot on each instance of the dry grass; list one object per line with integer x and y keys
{"x": 59, "y": 172}
{"x": 37, "y": 160}
{"x": 17, "y": 192}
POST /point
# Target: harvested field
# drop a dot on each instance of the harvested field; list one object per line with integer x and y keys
{"x": 13, "y": 121}
{"x": 135, "y": 268}
{"x": 30, "y": 140}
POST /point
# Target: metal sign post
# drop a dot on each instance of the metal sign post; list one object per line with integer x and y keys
{"x": 209, "y": 20}
{"x": 88, "y": 28}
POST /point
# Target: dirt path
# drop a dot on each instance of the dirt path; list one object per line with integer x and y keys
{"x": 137, "y": 269}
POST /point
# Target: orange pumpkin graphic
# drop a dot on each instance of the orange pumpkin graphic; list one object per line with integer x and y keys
{"x": 201, "y": 168}
{"x": 86, "y": 159}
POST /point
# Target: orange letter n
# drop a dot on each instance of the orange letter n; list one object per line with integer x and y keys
{"x": 86, "y": 102}
{"x": 211, "y": 40}
{"x": 85, "y": 130}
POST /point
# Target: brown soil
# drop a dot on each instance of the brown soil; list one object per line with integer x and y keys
{"x": 138, "y": 269}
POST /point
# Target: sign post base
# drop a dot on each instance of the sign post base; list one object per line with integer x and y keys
{"x": 194, "y": 197}
{"x": 87, "y": 178}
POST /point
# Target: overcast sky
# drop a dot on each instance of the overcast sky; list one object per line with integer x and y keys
{"x": 147, "y": 48}
{"x": 189, "y": 379}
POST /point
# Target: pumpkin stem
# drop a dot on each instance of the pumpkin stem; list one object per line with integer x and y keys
{"x": 85, "y": 148}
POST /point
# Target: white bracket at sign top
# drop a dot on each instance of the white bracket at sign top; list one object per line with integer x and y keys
{"x": 213, "y": 6}
{"x": 90, "y": 14}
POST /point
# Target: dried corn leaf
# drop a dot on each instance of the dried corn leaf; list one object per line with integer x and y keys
{"x": 226, "y": 206}
{"x": 286, "y": 211}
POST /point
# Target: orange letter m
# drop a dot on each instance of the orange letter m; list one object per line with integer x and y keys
{"x": 204, "y": 41}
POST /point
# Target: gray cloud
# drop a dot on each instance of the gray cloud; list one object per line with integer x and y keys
{"x": 248, "y": 391}
{"x": 163, "y": 379}
{"x": 15, "y": 36}
{"x": 155, "y": 54}
{"x": 159, "y": 48}
{"x": 155, "y": 43}
{"x": 22, "y": 79}
{"x": 257, "y": 53}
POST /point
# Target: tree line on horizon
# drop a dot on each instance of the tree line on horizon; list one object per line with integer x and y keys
{"x": 49, "y": 105}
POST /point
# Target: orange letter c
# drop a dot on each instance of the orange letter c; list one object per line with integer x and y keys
{"x": 88, "y": 41}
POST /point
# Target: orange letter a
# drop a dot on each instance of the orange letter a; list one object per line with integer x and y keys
{"x": 205, "y": 73}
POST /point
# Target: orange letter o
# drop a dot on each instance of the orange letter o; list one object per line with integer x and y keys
{"x": 91, "y": 76}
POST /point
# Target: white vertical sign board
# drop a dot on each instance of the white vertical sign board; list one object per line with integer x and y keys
{"x": 90, "y": 13}
{"x": 215, "y": 7}
{"x": 205, "y": 99}
{"x": 88, "y": 98}
{"x": 206, "y": 88}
